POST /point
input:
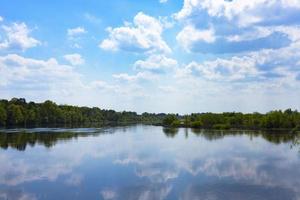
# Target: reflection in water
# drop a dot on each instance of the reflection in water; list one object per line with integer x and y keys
{"x": 229, "y": 191}
{"x": 276, "y": 137}
{"x": 142, "y": 162}
{"x": 46, "y": 137}
{"x": 21, "y": 140}
{"x": 170, "y": 132}
{"x": 15, "y": 194}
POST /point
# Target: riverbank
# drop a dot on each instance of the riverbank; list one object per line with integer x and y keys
{"x": 19, "y": 113}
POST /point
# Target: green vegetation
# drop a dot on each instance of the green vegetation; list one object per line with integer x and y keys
{"x": 17, "y": 112}
{"x": 171, "y": 121}
{"x": 287, "y": 119}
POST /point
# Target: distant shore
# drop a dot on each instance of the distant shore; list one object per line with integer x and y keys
{"x": 19, "y": 113}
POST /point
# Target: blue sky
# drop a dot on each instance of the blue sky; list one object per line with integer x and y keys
{"x": 157, "y": 56}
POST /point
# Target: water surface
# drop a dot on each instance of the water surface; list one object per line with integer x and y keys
{"x": 147, "y": 162}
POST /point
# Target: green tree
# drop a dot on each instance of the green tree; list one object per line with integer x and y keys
{"x": 15, "y": 115}
{"x": 3, "y": 115}
{"x": 171, "y": 120}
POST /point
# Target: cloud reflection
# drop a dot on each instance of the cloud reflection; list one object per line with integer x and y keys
{"x": 146, "y": 164}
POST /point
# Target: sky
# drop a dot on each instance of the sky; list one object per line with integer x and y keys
{"x": 173, "y": 56}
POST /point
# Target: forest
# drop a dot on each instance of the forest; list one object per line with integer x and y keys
{"x": 18, "y": 112}
{"x": 285, "y": 120}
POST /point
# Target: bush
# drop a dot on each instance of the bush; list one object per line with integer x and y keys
{"x": 296, "y": 129}
{"x": 171, "y": 120}
{"x": 196, "y": 124}
{"x": 175, "y": 123}
{"x": 221, "y": 126}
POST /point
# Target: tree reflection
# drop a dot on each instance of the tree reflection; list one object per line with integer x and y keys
{"x": 21, "y": 140}
{"x": 170, "y": 132}
{"x": 296, "y": 144}
{"x": 275, "y": 137}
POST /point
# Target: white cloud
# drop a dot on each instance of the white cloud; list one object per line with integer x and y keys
{"x": 167, "y": 22}
{"x": 163, "y": 1}
{"x": 74, "y": 59}
{"x": 155, "y": 63}
{"x": 167, "y": 89}
{"x": 137, "y": 77}
{"x": 264, "y": 65}
{"x": 292, "y": 32}
{"x": 20, "y": 195}
{"x": 1, "y": 19}
{"x": 144, "y": 35}
{"x": 76, "y": 46}
{"x": 74, "y": 180}
{"x": 91, "y": 18}
{"x": 245, "y": 12}
{"x": 76, "y": 31}
{"x": 108, "y": 194}
{"x": 257, "y": 32}
{"x": 31, "y": 74}
{"x": 39, "y": 80}
{"x": 102, "y": 85}
{"x": 75, "y": 36}
{"x": 233, "y": 22}
{"x": 236, "y": 68}
{"x": 190, "y": 35}
{"x": 17, "y": 37}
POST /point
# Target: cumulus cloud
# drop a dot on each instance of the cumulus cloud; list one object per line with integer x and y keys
{"x": 163, "y": 1}
{"x": 17, "y": 37}
{"x": 238, "y": 25}
{"x": 1, "y": 19}
{"x": 16, "y": 194}
{"x": 76, "y": 31}
{"x": 91, "y": 18}
{"x": 221, "y": 69}
{"x": 102, "y": 85}
{"x": 74, "y": 180}
{"x": 48, "y": 79}
{"x": 108, "y": 194}
{"x": 167, "y": 89}
{"x": 241, "y": 12}
{"x": 74, "y": 59}
{"x": 74, "y": 36}
{"x": 143, "y": 35}
{"x": 155, "y": 63}
{"x": 260, "y": 53}
{"x": 190, "y": 35}
{"x": 263, "y": 65}
{"x": 132, "y": 78}
{"x": 37, "y": 75}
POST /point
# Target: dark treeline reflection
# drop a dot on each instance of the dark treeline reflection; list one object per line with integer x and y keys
{"x": 21, "y": 140}
{"x": 275, "y": 137}
{"x": 170, "y": 132}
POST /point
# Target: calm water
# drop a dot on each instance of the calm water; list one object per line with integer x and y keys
{"x": 146, "y": 162}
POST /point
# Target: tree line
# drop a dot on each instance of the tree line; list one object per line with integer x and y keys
{"x": 277, "y": 119}
{"x": 18, "y": 112}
